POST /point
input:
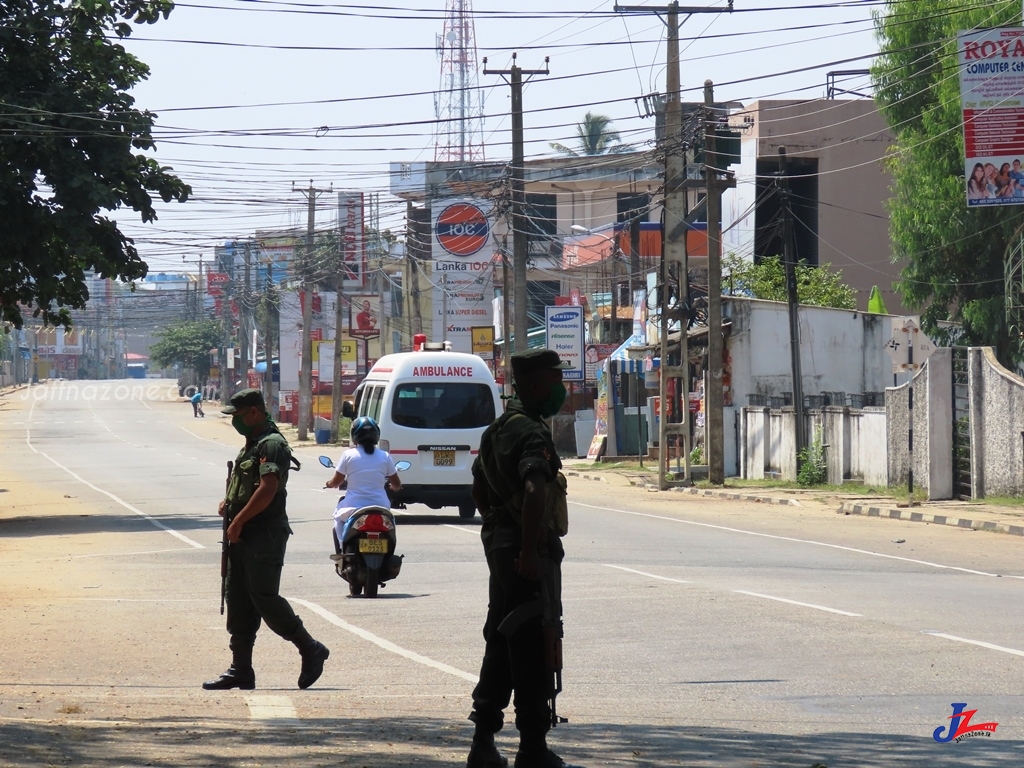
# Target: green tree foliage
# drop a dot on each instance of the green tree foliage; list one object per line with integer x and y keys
{"x": 71, "y": 147}
{"x": 187, "y": 344}
{"x": 818, "y": 286}
{"x": 596, "y": 137}
{"x": 953, "y": 256}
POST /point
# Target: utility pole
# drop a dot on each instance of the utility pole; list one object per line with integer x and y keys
{"x": 243, "y": 319}
{"x": 786, "y": 203}
{"x": 337, "y": 397}
{"x": 306, "y": 370}
{"x": 506, "y": 353}
{"x": 268, "y": 339}
{"x": 226, "y": 383}
{"x": 713, "y": 397}
{"x": 520, "y": 246}
{"x": 417, "y": 243}
{"x": 674, "y": 258}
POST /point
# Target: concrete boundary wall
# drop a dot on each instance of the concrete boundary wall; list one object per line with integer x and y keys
{"x": 997, "y": 426}
{"x": 933, "y": 428}
{"x": 854, "y": 441}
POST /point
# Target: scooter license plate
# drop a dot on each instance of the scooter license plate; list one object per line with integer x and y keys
{"x": 444, "y": 458}
{"x": 373, "y": 546}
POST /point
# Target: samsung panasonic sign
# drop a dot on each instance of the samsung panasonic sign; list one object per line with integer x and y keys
{"x": 565, "y": 336}
{"x": 563, "y": 317}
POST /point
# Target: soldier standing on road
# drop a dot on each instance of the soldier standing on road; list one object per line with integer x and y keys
{"x": 515, "y": 481}
{"x": 258, "y": 534}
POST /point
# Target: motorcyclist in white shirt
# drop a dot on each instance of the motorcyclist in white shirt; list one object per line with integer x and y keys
{"x": 367, "y": 470}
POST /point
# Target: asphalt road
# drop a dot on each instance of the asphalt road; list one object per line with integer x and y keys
{"x": 698, "y": 632}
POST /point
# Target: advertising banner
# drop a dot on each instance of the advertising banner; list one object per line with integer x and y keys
{"x": 462, "y": 250}
{"x": 353, "y": 249}
{"x": 992, "y": 98}
{"x": 349, "y": 359}
{"x": 364, "y": 317}
{"x": 565, "y": 336}
{"x": 483, "y": 342}
{"x": 593, "y": 355}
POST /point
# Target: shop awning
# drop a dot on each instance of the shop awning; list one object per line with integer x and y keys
{"x": 624, "y": 363}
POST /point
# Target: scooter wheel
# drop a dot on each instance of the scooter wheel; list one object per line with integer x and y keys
{"x": 354, "y": 590}
{"x": 372, "y": 581}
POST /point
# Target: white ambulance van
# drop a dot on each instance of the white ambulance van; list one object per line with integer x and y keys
{"x": 432, "y": 406}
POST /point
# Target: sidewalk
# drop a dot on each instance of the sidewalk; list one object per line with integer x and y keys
{"x": 975, "y": 515}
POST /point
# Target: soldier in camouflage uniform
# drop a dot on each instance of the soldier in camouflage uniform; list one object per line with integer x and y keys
{"x": 513, "y": 475}
{"x": 258, "y": 533}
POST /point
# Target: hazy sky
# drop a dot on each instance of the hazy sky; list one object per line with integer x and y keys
{"x": 253, "y": 95}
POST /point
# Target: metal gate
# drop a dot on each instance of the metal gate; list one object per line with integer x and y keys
{"x": 962, "y": 469}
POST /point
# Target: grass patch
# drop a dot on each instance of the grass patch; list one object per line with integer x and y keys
{"x": 1000, "y": 501}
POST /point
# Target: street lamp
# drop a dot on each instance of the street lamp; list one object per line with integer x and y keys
{"x": 616, "y": 258}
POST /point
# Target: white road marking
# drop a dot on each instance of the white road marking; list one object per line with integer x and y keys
{"x": 198, "y": 437}
{"x": 277, "y": 708}
{"x": 64, "y": 558}
{"x": 990, "y": 646}
{"x": 798, "y": 541}
{"x": 108, "y": 494}
{"x": 141, "y": 599}
{"x": 796, "y": 602}
{"x": 387, "y": 645}
{"x": 644, "y": 573}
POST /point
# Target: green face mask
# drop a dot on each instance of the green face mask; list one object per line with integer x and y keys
{"x": 554, "y": 401}
{"x": 240, "y": 426}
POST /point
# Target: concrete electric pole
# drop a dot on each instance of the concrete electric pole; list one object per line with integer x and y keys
{"x": 675, "y": 377}
{"x": 520, "y": 245}
{"x": 306, "y": 370}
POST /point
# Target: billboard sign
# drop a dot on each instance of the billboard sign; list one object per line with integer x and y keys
{"x": 353, "y": 241}
{"x": 463, "y": 274}
{"x": 364, "y": 317}
{"x": 992, "y": 98}
{"x": 565, "y": 336}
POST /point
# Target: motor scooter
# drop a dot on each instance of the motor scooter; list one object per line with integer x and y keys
{"x": 365, "y": 557}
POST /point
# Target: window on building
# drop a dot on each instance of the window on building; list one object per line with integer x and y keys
{"x": 803, "y": 186}
{"x": 629, "y": 205}
{"x": 540, "y": 294}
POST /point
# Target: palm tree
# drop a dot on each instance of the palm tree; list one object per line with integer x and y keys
{"x": 596, "y": 137}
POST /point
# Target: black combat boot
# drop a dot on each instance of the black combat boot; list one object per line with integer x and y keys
{"x": 239, "y": 675}
{"x": 483, "y": 753}
{"x": 534, "y": 753}
{"x": 313, "y": 654}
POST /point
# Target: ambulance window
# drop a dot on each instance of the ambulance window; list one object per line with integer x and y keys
{"x": 373, "y": 400}
{"x": 445, "y": 405}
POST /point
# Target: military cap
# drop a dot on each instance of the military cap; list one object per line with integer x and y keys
{"x": 534, "y": 360}
{"x": 245, "y": 398}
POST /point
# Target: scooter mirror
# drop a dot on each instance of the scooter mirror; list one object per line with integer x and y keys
{"x": 401, "y": 466}
{"x": 326, "y": 461}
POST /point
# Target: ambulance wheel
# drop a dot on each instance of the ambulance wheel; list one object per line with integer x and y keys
{"x": 467, "y": 510}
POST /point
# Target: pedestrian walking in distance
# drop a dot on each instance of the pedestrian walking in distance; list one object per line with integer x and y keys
{"x": 258, "y": 533}
{"x": 197, "y": 404}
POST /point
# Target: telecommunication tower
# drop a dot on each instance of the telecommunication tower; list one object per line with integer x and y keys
{"x": 459, "y": 102}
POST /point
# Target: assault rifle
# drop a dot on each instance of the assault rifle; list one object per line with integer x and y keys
{"x": 224, "y": 544}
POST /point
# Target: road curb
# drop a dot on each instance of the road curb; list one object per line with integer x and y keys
{"x": 583, "y": 476}
{"x": 709, "y": 493}
{"x": 910, "y": 515}
{"x": 734, "y": 496}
